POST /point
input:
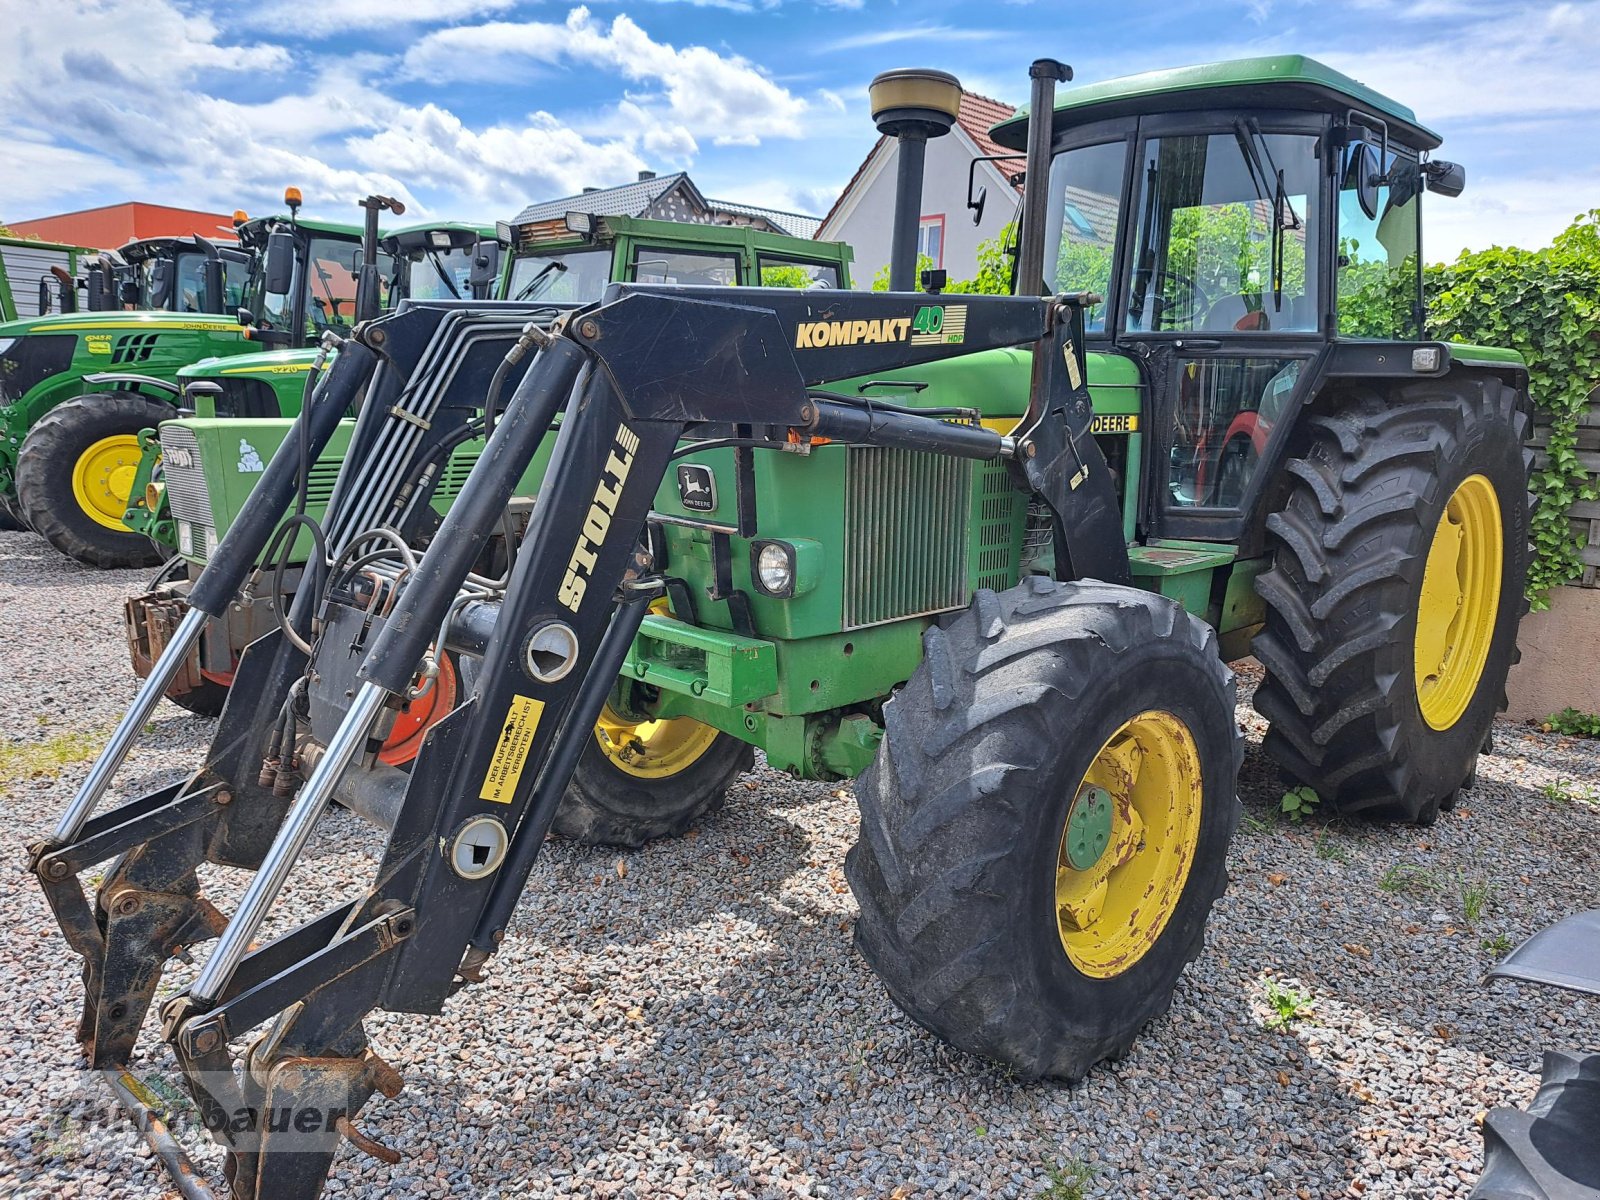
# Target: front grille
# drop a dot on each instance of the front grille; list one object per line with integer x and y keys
{"x": 31, "y": 359}
{"x": 906, "y": 514}
{"x": 185, "y": 477}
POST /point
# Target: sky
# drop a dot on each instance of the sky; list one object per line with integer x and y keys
{"x": 470, "y": 109}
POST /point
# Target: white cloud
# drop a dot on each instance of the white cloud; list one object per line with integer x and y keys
{"x": 912, "y": 33}
{"x": 723, "y": 97}
{"x": 343, "y": 16}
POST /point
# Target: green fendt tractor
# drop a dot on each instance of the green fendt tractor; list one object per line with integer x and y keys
{"x": 214, "y": 458}
{"x": 76, "y": 389}
{"x": 986, "y": 553}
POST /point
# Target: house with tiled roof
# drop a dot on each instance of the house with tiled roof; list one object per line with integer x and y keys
{"x": 671, "y": 197}
{"x": 864, "y": 213}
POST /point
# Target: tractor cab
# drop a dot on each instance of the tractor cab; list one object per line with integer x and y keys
{"x": 448, "y": 261}
{"x": 1254, "y": 230}
{"x": 571, "y": 259}
{"x": 171, "y": 274}
{"x": 303, "y": 281}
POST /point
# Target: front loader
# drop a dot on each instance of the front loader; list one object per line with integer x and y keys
{"x": 877, "y": 535}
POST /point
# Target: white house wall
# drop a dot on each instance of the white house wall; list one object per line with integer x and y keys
{"x": 865, "y": 219}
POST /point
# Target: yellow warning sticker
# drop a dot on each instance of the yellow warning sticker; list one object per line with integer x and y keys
{"x": 511, "y": 751}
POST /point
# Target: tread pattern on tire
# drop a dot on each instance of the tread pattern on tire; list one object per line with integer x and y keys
{"x": 40, "y": 479}
{"x": 1349, "y": 552}
{"x": 974, "y": 714}
{"x": 593, "y": 814}
{"x": 1547, "y": 1152}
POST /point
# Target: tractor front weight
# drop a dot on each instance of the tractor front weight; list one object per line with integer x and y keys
{"x": 623, "y": 383}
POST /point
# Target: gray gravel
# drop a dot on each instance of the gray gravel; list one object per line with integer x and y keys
{"x": 691, "y": 1020}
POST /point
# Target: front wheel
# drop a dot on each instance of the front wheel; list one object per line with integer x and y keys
{"x": 1045, "y": 829}
{"x": 641, "y": 780}
{"x": 74, "y": 472}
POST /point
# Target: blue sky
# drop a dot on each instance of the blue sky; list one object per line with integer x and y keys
{"x": 472, "y": 108}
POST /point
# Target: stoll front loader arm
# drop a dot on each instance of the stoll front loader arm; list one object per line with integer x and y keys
{"x": 623, "y": 384}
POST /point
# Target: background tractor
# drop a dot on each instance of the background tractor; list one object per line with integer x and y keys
{"x": 424, "y": 260}
{"x": 969, "y": 549}
{"x": 76, "y": 389}
{"x": 207, "y": 477}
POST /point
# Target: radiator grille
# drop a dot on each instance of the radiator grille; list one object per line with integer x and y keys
{"x": 998, "y": 502}
{"x": 184, "y": 475}
{"x": 906, "y": 516}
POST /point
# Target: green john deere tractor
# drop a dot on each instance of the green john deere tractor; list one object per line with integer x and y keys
{"x": 214, "y": 458}
{"x": 76, "y": 388}
{"x": 985, "y": 554}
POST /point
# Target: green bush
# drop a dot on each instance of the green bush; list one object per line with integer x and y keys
{"x": 1546, "y": 305}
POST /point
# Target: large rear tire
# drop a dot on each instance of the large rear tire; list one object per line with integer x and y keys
{"x": 642, "y": 780}
{"x": 74, "y": 471}
{"x": 1399, "y": 564}
{"x": 1045, "y": 828}
{"x": 1548, "y": 1152}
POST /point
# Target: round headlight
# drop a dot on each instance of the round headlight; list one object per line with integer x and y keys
{"x": 775, "y": 569}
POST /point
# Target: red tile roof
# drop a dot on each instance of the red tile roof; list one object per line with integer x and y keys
{"x": 978, "y": 114}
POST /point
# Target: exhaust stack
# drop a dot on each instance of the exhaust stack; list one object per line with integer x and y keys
{"x": 1045, "y": 74}
{"x": 911, "y": 104}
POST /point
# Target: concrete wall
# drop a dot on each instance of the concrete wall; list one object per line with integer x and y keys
{"x": 865, "y": 219}
{"x": 1560, "y": 665}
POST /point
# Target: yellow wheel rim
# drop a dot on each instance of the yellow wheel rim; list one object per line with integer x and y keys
{"x": 652, "y": 749}
{"x": 1459, "y": 602}
{"x": 1128, "y": 844}
{"x": 103, "y": 476}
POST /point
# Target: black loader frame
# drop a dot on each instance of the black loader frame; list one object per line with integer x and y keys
{"x": 628, "y": 380}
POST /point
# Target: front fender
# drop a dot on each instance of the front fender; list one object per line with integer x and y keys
{"x": 127, "y": 381}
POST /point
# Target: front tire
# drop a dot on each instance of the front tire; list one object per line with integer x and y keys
{"x": 1399, "y": 564}
{"x": 73, "y": 475}
{"x": 1045, "y": 828}
{"x": 639, "y": 781}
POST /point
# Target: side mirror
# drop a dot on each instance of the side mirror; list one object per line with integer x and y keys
{"x": 278, "y": 262}
{"x": 1446, "y": 178}
{"x": 161, "y": 280}
{"x": 44, "y": 295}
{"x": 128, "y": 292}
{"x": 485, "y": 269}
{"x": 1368, "y": 173}
{"x": 976, "y": 203}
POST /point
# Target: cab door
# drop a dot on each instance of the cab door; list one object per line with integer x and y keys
{"x": 1222, "y": 302}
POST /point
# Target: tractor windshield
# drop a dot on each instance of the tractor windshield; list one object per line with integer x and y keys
{"x": 566, "y": 276}
{"x": 325, "y": 284}
{"x": 1085, "y": 210}
{"x": 431, "y": 274}
{"x": 1227, "y": 234}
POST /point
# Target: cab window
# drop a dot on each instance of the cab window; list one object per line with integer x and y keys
{"x": 1379, "y": 284}
{"x": 330, "y": 285}
{"x": 793, "y": 273}
{"x": 1085, "y": 209}
{"x": 564, "y": 277}
{"x": 1227, "y": 234}
{"x": 652, "y": 264}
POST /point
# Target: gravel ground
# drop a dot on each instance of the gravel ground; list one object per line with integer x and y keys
{"x": 691, "y": 1020}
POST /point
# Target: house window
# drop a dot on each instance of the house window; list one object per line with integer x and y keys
{"x": 930, "y": 239}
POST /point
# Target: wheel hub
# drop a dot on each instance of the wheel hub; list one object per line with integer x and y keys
{"x": 1088, "y": 827}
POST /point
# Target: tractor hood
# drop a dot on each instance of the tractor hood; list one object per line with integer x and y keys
{"x": 117, "y": 322}
{"x": 266, "y": 363}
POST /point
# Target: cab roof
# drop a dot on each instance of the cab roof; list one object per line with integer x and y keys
{"x": 259, "y": 226}
{"x": 1274, "y": 81}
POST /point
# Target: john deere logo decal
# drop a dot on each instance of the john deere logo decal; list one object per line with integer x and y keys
{"x": 697, "y": 488}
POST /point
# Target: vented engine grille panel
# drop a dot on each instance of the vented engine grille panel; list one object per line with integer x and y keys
{"x": 906, "y": 516}
{"x": 185, "y": 477}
